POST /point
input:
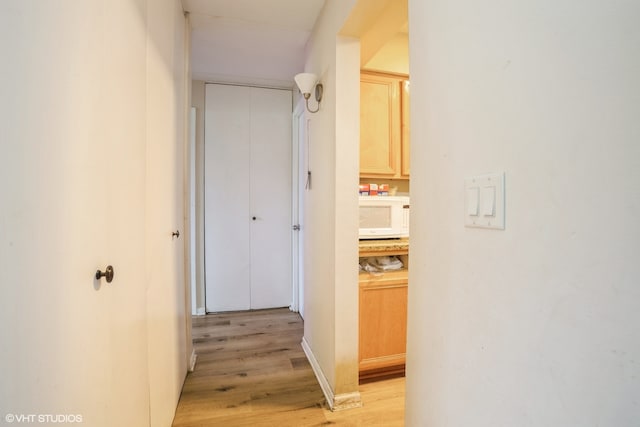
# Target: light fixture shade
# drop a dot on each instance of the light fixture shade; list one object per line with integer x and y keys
{"x": 306, "y": 82}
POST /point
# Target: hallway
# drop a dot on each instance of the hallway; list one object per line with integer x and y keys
{"x": 252, "y": 371}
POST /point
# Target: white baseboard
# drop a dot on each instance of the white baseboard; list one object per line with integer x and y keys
{"x": 201, "y": 311}
{"x": 192, "y": 360}
{"x": 337, "y": 402}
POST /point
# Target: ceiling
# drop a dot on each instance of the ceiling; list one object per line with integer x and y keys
{"x": 250, "y": 41}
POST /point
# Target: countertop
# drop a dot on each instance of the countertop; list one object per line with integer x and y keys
{"x": 384, "y": 245}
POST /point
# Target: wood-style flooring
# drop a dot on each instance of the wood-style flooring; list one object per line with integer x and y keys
{"x": 252, "y": 371}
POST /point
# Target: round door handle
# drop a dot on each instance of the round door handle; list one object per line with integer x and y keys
{"x": 108, "y": 273}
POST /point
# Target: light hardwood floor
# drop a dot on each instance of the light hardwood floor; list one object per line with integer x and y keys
{"x": 251, "y": 371}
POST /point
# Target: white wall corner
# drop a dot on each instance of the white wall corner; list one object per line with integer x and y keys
{"x": 336, "y": 402}
{"x": 346, "y": 401}
{"x": 192, "y": 360}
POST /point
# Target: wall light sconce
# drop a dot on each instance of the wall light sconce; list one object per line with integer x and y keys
{"x": 306, "y": 83}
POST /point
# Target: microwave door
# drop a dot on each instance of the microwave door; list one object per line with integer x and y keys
{"x": 376, "y": 222}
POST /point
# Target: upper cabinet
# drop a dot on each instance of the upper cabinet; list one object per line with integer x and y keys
{"x": 380, "y": 131}
{"x": 384, "y": 126}
{"x": 406, "y": 140}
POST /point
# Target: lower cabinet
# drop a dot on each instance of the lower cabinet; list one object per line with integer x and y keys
{"x": 383, "y": 322}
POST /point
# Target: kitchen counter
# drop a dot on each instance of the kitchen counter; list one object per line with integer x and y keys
{"x": 376, "y": 247}
{"x": 383, "y": 311}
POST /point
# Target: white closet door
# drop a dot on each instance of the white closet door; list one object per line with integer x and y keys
{"x": 247, "y": 176}
{"x": 271, "y": 284}
{"x": 227, "y": 178}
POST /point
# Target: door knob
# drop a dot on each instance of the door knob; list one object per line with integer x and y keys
{"x": 108, "y": 273}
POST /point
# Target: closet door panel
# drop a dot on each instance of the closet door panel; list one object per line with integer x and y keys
{"x": 271, "y": 198}
{"x": 227, "y": 197}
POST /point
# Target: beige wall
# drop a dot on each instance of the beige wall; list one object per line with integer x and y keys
{"x": 393, "y": 57}
{"x": 331, "y": 292}
{"x": 536, "y": 325}
{"x": 92, "y": 119}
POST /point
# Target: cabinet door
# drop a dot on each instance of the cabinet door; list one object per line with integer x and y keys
{"x": 406, "y": 137}
{"x": 383, "y": 326}
{"x": 379, "y": 126}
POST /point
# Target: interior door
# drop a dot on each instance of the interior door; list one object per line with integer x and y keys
{"x": 247, "y": 198}
{"x": 72, "y": 186}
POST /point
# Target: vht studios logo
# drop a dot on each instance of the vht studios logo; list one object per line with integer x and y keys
{"x": 43, "y": 418}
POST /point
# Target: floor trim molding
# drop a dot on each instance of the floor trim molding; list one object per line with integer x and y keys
{"x": 337, "y": 402}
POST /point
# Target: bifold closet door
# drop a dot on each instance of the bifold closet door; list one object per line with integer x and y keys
{"x": 247, "y": 198}
{"x": 271, "y": 256}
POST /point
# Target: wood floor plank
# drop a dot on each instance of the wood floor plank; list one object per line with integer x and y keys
{"x": 251, "y": 371}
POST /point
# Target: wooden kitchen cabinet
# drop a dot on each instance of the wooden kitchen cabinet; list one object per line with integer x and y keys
{"x": 383, "y": 317}
{"x": 405, "y": 145}
{"x": 384, "y": 126}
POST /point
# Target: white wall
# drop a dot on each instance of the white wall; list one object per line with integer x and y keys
{"x": 536, "y": 325}
{"x": 92, "y": 130}
{"x": 330, "y": 222}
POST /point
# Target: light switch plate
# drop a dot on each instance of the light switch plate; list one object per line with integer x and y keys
{"x": 490, "y": 185}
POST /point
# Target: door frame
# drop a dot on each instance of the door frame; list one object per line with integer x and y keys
{"x": 298, "y": 150}
{"x": 191, "y": 217}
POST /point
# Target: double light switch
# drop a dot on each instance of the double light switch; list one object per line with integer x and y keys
{"x": 484, "y": 201}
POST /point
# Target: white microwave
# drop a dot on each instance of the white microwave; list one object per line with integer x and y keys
{"x": 384, "y": 217}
